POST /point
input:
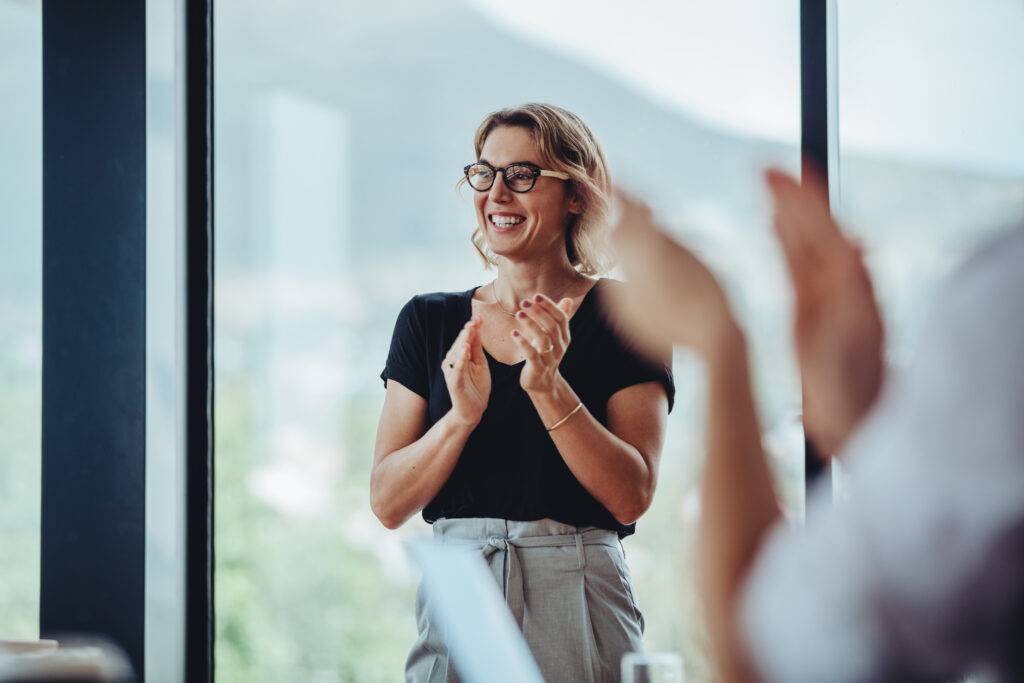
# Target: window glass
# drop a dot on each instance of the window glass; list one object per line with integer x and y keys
{"x": 931, "y": 146}
{"x": 341, "y": 131}
{"x": 21, "y": 262}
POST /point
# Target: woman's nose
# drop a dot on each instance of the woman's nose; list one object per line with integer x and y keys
{"x": 499, "y": 191}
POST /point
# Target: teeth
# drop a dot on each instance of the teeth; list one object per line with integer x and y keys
{"x": 505, "y": 221}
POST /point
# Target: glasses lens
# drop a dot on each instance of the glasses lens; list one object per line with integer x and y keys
{"x": 480, "y": 177}
{"x": 519, "y": 178}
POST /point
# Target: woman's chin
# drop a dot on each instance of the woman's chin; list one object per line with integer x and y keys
{"x": 503, "y": 245}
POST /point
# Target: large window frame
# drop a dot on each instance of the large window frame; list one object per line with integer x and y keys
{"x": 100, "y": 511}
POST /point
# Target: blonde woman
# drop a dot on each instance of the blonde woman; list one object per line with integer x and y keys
{"x": 515, "y": 419}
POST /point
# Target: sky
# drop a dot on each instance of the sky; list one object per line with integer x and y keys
{"x": 918, "y": 79}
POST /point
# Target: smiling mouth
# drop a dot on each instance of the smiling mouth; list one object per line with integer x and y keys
{"x": 505, "y": 223}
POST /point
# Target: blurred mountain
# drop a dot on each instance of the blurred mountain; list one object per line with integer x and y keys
{"x": 412, "y": 84}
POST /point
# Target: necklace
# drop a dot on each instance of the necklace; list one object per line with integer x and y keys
{"x": 512, "y": 315}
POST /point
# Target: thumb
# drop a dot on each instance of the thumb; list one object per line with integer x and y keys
{"x": 566, "y": 305}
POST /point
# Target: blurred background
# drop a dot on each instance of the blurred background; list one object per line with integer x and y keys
{"x": 341, "y": 130}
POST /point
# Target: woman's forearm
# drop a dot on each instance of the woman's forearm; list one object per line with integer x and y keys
{"x": 739, "y": 502}
{"x": 611, "y": 470}
{"x": 404, "y": 481}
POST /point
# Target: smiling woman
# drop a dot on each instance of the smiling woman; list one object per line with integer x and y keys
{"x": 545, "y": 132}
{"x": 339, "y": 134}
{"x": 516, "y": 420}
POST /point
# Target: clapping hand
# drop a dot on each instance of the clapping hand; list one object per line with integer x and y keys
{"x": 467, "y": 375}
{"x": 671, "y": 297}
{"x": 543, "y": 337}
{"x": 838, "y": 330}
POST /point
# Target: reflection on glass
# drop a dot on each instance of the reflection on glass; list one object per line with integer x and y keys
{"x": 21, "y": 229}
{"x": 341, "y": 133}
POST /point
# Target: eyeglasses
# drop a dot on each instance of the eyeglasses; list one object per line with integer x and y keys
{"x": 519, "y": 176}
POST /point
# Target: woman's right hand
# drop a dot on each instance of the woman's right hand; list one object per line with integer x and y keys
{"x": 467, "y": 375}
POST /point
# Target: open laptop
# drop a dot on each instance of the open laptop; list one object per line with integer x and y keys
{"x": 484, "y": 643}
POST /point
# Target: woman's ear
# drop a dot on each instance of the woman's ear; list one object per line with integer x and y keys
{"x": 575, "y": 204}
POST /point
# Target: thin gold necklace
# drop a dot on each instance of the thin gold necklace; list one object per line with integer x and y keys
{"x": 494, "y": 292}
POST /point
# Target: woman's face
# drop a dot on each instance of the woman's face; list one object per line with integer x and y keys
{"x": 522, "y": 226}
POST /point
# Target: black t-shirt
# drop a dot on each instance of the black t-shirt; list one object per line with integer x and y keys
{"x": 509, "y": 467}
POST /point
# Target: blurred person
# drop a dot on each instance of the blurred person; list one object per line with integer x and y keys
{"x": 515, "y": 419}
{"x": 919, "y": 573}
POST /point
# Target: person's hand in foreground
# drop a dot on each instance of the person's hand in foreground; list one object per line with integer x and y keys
{"x": 672, "y": 298}
{"x": 838, "y": 329}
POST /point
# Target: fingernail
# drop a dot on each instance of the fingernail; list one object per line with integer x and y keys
{"x": 515, "y": 333}
{"x": 538, "y": 298}
{"x": 526, "y": 304}
{"x": 521, "y": 315}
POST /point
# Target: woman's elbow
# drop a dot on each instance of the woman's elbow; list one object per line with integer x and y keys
{"x": 632, "y": 510}
{"x": 385, "y": 514}
{"x": 383, "y": 508}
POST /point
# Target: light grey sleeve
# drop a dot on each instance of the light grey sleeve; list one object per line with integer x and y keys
{"x": 919, "y": 573}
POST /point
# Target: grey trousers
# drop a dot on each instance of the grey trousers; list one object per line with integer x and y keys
{"x": 568, "y": 589}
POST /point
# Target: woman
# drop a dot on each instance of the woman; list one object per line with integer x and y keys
{"x": 516, "y": 419}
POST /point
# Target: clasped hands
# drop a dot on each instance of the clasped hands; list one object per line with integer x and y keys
{"x": 543, "y": 337}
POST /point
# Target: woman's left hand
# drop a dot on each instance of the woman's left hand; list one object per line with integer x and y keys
{"x": 543, "y": 337}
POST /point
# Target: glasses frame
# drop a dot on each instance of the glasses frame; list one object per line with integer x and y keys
{"x": 503, "y": 171}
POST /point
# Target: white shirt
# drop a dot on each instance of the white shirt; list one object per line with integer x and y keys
{"x": 919, "y": 573}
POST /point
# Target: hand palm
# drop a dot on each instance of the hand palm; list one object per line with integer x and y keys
{"x": 467, "y": 376}
{"x": 838, "y": 334}
{"x": 838, "y": 329}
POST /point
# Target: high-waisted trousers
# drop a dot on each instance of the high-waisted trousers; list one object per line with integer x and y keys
{"x": 568, "y": 589}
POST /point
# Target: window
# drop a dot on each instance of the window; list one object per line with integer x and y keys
{"x": 341, "y": 132}
{"x": 21, "y": 262}
{"x": 931, "y": 150}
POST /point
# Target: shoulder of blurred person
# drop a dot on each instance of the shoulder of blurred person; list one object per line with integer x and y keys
{"x": 918, "y": 573}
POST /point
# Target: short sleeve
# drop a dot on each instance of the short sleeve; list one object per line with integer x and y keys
{"x": 407, "y": 357}
{"x": 626, "y": 366}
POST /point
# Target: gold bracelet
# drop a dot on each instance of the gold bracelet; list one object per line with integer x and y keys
{"x": 571, "y": 413}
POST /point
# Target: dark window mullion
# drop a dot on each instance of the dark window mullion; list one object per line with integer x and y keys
{"x": 814, "y": 134}
{"x": 199, "y": 585}
{"x": 93, "y": 507}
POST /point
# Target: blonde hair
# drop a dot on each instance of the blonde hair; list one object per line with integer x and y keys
{"x": 566, "y": 144}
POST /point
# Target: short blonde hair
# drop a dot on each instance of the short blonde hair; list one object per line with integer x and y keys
{"x": 566, "y": 144}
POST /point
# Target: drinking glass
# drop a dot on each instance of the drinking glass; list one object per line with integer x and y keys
{"x": 654, "y": 667}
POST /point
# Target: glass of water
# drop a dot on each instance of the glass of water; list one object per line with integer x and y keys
{"x": 655, "y": 667}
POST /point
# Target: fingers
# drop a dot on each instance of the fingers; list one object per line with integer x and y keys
{"x": 545, "y": 313}
{"x": 633, "y": 219}
{"x": 533, "y": 356}
{"x": 460, "y": 345}
{"x": 811, "y": 242}
{"x": 791, "y": 218}
{"x": 804, "y": 206}
{"x": 541, "y": 337}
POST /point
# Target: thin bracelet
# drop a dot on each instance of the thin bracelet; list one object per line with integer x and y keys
{"x": 571, "y": 413}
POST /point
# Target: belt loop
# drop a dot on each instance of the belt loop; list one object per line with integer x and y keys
{"x": 582, "y": 560}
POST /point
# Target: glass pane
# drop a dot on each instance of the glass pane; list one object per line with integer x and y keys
{"x": 21, "y": 350}
{"x": 930, "y": 140}
{"x": 341, "y": 132}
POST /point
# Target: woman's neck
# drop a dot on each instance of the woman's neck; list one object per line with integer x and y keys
{"x": 517, "y": 281}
